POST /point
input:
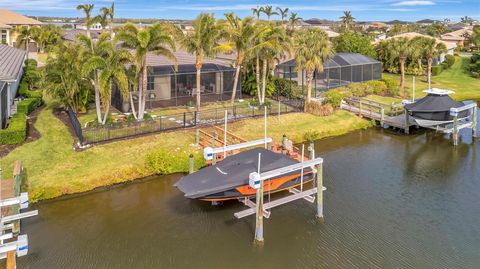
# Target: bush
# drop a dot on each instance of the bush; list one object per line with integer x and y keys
{"x": 359, "y": 89}
{"x": 28, "y": 105}
{"x": 377, "y": 87}
{"x": 334, "y": 97}
{"x": 393, "y": 86}
{"x": 318, "y": 109}
{"x": 165, "y": 161}
{"x": 450, "y": 60}
{"x": 16, "y": 132}
{"x": 24, "y": 91}
{"x": 436, "y": 70}
{"x": 444, "y": 66}
{"x": 31, "y": 63}
{"x": 286, "y": 88}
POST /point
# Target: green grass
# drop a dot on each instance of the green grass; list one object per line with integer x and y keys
{"x": 384, "y": 99}
{"x": 54, "y": 168}
{"x": 456, "y": 78}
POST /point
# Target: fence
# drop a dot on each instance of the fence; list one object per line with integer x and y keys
{"x": 90, "y": 135}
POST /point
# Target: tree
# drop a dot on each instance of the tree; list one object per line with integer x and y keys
{"x": 466, "y": 20}
{"x": 257, "y": 11}
{"x": 312, "y": 49}
{"x": 110, "y": 13}
{"x": 157, "y": 39}
{"x": 400, "y": 48}
{"x": 293, "y": 21}
{"x": 102, "y": 19}
{"x": 87, "y": 9}
{"x": 354, "y": 42}
{"x": 24, "y": 34}
{"x": 431, "y": 50}
{"x": 46, "y": 36}
{"x": 347, "y": 20}
{"x": 476, "y": 35}
{"x": 268, "y": 11}
{"x": 111, "y": 68}
{"x": 202, "y": 42}
{"x": 283, "y": 13}
{"x": 240, "y": 34}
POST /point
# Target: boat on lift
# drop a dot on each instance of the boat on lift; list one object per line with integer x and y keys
{"x": 434, "y": 108}
{"x": 229, "y": 179}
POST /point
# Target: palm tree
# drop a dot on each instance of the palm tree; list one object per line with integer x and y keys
{"x": 431, "y": 50}
{"x": 400, "y": 48}
{"x": 257, "y": 11}
{"x": 294, "y": 20}
{"x": 157, "y": 39}
{"x": 202, "y": 41}
{"x": 417, "y": 52}
{"x": 102, "y": 20}
{"x": 347, "y": 19}
{"x": 87, "y": 9}
{"x": 466, "y": 20}
{"x": 283, "y": 13}
{"x": 268, "y": 10}
{"x": 110, "y": 13}
{"x": 24, "y": 35}
{"x": 111, "y": 68}
{"x": 312, "y": 49}
{"x": 240, "y": 34}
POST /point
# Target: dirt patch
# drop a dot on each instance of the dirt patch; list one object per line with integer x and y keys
{"x": 32, "y": 133}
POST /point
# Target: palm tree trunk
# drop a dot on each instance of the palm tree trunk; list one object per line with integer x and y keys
{"x": 26, "y": 45}
{"x": 143, "y": 92}
{"x": 429, "y": 71}
{"x": 97, "y": 98}
{"x": 111, "y": 29}
{"x": 134, "y": 113}
{"x": 235, "y": 81}
{"x": 197, "y": 90}
{"x": 309, "y": 89}
{"x": 402, "y": 77}
{"x": 264, "y": 80}
{"x": 88, "y": 32}
{"x": 107, "y": 110}
{"x": 257, "y": 78}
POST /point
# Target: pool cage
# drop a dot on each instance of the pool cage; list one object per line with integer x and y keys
{"x": 342, "y": 69}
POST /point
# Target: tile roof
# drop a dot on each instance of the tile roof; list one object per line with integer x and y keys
{"x": 12, "y": 18}
{"x": 11, "y": 61}
{"x": 4, "y": 26}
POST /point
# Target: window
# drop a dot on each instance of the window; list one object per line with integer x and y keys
{"x": 150, "y": 83}
{"x": 3, "y": 38}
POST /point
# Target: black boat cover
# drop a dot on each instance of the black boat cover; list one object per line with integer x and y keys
{"x": 434, "y": 107}
{"x": 231, "y": 172}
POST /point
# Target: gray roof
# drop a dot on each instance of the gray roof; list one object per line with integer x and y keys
{"x": 11, "y": 61}
{"x": 71, "y": 35}
{"x": 341, "y": 59}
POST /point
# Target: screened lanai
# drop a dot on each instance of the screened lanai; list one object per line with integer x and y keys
{"x": 342, "y": 69}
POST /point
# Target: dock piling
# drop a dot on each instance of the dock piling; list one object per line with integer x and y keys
{"x": 474, "y": 122}
{"x": 259, "y": 209}
{"x": 382, "y": 116}
{"x": 407, "y": 124}
{"x": 191, "y": 164}
{"x": 455, "y": 130}
{"x": 320, "y": 191}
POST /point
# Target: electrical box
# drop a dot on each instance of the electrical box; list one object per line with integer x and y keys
{"x": 208, "y": 153}
{"x": 254, "y": 180}
{"x": 23, "y": 200}
{"x": 22, "y": 245}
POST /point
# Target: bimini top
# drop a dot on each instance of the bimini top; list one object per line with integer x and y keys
{"x": 232, "y": 172}
{"x": 340, "y": 59}
{"x": 433, "y": 102}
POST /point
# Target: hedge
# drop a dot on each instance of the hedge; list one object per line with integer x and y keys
{"x": 24, "y": 91}
{"x": 450, "y": 60}
{"x": 436, "y": 70}
{"x": 28, "y": 105}
{"x": 16, "y": 132}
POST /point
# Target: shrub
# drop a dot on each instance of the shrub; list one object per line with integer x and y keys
{"x": 28, "y": 105}
{"x": 286, "y": 88}
{"x": 333, "y": 97}
{"x": 16, "y": 132}
{"x": 163, "y": 161}
{"x": 24, "y": 91}
{"x": 377, "y": 87}
{"x": 311, "y": 135}
{"x": 359, "y": 89}
{"x": 444, "y": 66}
{"x": 29, "y": 63}
{"x": 393, "y": 86}
{"x": 450, "y": 60}
{"x": 436, "y": 70}
{"x": 318, "y": 109}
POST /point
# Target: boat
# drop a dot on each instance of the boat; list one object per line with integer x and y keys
{"x": 228, "y": 179}
{"x": 434, "y": 108}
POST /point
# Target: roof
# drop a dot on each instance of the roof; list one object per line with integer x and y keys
{"x": 11, "y": 62}
{"x": 71, "y": 35}
{"x": 331, "y": 33}
{"x": 4, "y": 26}
{"x": 186, "y": 63}
{"x": 12, "y": 18}
{"x": 411, "y": 35}
{"x": 341, "y": 59}
{"x": 457, "y": 35}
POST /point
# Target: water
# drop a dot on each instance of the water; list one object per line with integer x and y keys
{"x": 392, "y": 201}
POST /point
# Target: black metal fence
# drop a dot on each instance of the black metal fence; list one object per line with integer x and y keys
{"x": 178, "y": 121}
{"x": 76, "y": 125}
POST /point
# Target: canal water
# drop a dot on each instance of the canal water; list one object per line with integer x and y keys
{"x": 392, "y": 201}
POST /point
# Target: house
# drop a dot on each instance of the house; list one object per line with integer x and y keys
{"x": 9, "y": 21}
{"x": 71, "y": 35}
{"x": 458, "y": 37}
{"x": 323, "y": 24}
{"x": 80, "y": 25}
{"x": 171, "y": 83}
{"x": 342, "y": 69}
{"x": 11, "y": 71}
{"x": 450, "y": 45}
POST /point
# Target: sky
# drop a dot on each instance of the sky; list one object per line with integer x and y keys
{"x": 364, "y": 10}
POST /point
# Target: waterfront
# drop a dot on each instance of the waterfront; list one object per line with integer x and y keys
{"x": 391, "y": 201}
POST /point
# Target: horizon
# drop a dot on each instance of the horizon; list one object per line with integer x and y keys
{"x": 384, "y": 10}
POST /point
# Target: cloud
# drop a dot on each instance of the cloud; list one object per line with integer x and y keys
{"x": 414, "y": 3}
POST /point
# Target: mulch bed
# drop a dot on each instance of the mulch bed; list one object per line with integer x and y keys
{"x": 32, "y": 133}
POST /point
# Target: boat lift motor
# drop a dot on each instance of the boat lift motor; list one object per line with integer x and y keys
{"x": 20, "y": 247}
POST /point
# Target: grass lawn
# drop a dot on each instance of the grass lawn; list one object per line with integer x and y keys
{"x": 55, "y": 169}
{"x": 455, "y": 78}
{"x": 384, "y": 99}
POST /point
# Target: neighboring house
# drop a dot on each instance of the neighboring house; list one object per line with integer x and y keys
{"x": 9, "y": 22}
{"x": 80, "y": 25}
{"x": 450, "y": 45}
{"x": 458, "y": 37}
{"x": 174, "y": 84}
{"x": 71, "y": 35}
{"x": 11, "y": 71}
{"x": 323, "y": 24}
{"x": 342, "y": 69}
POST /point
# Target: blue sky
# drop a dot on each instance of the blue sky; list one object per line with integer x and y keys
{"x": 383, "y": 10}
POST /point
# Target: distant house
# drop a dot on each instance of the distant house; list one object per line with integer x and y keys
{"x": 11, "y": 71}
{"x": 174, "y": 84}
{"x": 323, "y": 24}
{"x": 9, "y": 21}
{"x": 450, "y": 45}
{"x": 71, "y": 35}
{"x": 80, "y": 25}
{"x": 458, "y": 37}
